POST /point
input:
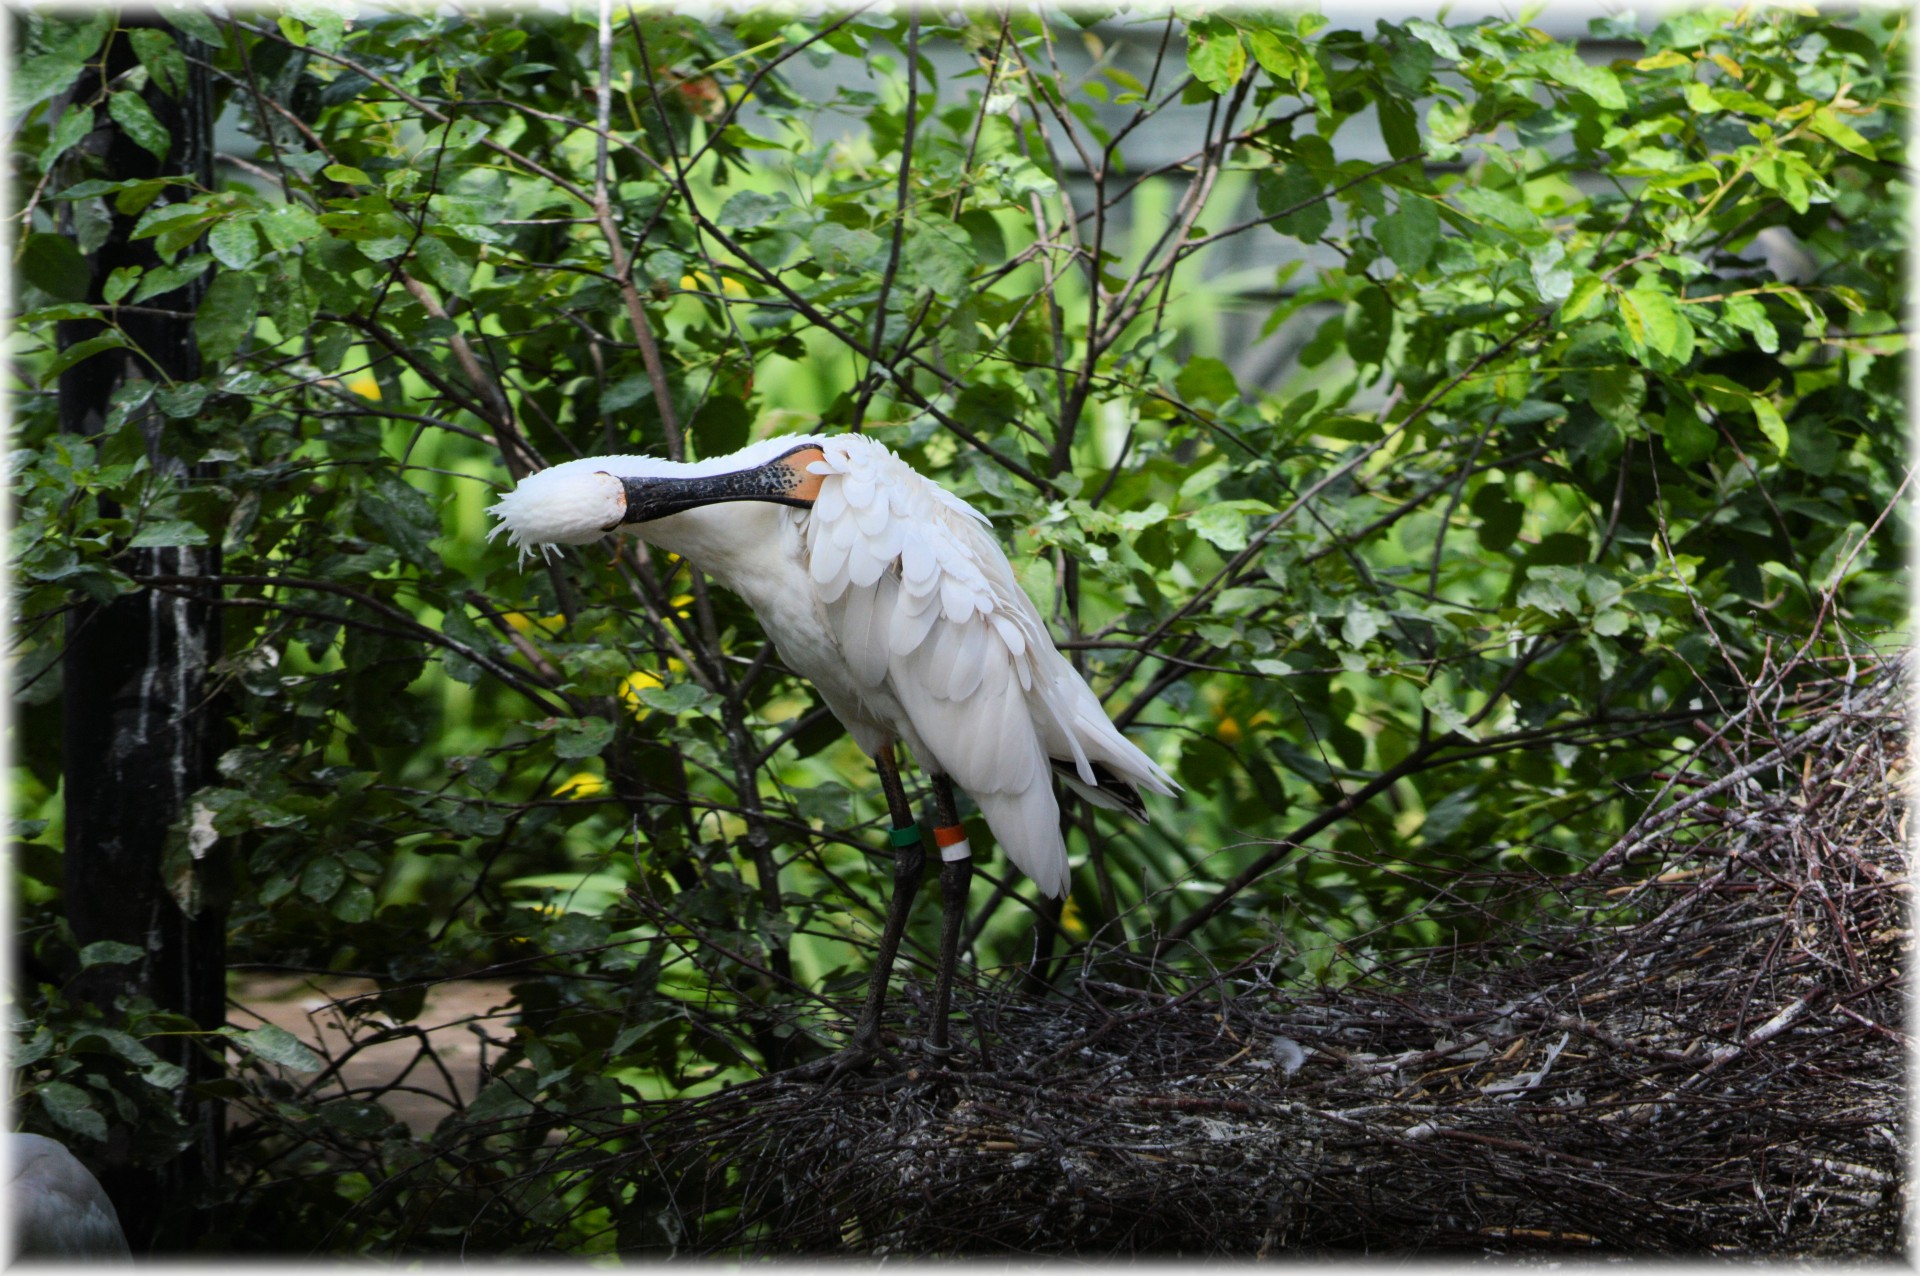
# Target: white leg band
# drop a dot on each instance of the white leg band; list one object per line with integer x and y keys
{"x": 960, "y": 850}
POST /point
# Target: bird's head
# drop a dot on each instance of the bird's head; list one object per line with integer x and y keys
{"x": 580, "y": 501}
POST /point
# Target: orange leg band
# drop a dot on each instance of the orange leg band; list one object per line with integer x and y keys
{"x": 952, "y": 840}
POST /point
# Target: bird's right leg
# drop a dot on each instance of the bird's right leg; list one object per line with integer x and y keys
{"x": 956, "y": 876}
{"x": 909, "y": 862}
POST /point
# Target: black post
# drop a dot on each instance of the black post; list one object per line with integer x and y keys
{"x": 140, "y": 732}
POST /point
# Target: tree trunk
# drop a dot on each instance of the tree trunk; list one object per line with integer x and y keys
{"x": 141, "y": 731}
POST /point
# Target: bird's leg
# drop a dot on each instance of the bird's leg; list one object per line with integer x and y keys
{"x": 909, "y": 862}
{"x": 956, "y": 875}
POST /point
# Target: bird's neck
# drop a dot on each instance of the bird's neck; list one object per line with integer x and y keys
{"x": 736, "y": 543}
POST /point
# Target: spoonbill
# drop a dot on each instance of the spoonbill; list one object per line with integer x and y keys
{"x": 892, "y": 596}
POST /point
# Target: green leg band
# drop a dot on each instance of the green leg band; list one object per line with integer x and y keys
{"x": 905, "y": 837}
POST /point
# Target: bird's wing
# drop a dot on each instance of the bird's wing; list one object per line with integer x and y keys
{"x": 921, "y": 598}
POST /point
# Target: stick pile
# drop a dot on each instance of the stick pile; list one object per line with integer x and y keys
{"x": 1701, "y": 1052}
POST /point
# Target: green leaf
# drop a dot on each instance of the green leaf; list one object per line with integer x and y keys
{"x": 234, "y": 243}
{"x": 1612, "y": 623}
{"x": 355, "y": 1118}
{"x": 34, "y": 80}
{"x": 288, "y": 225}
{"x": 582, "y": 737}
{"x": 1206, "y": 380}
{"x": 162, "y": 218}
{"x": 322, "y": 879}
{"x": 939, "y": 255}
{"x": 1500, "y": 206}
{"x": 1018, "y": 178}
{"x": 170, "y": 534}
{"x": 1499, "y": 514}
{"x": 190, "y": 18}
{"x": 1770, "y": 422}
{"x": 1687, "y": 438}
{"x": 1584, "y": 298}
{"x": 1652, "y": 321}
{"x": 180, "y": 401}
{"x": 446, "y": 266}
{"x": 347, "y": 174}
{"x": 131, "y": 112}
{"x": 118, "y": 285}
{"x": 1361, "y": 626}
{"x": 1552, "y": 273}
{"x": 1748, "y": 314}
{"x": 1293, "y": 190}
{"x": 677, "y": 698}
{"x": 109, "y": 952}
{"x": 1224, "y": 523}
{"x": 75, "y": 123}
{"x": 1215, "y": 55}
{"x": 1350, "y": 428}
{"x": 1271, "y": 50}
{"x": 354, "y": 903}
{"x": 1437, "y": 38}
{"x": 1834, "y": 129}
{"x": 746, "y": 209}
{"x": 624, "y": 393}
{"x": 1618, "y": 393}
{"x": 63, "y": 310}
{"x": 1562, "y": 63}
{"x": 1370, "y": 325}
{"x": 840, "y": 250}
{"x": 1398, "y": 127}
{"x": 226, "y": 315}
{"x": 1433, "y": 696}
{"x": 162, "y": 58}
{"x": 1409, "y": 236}
{"x": 72, "y": 1109}
{"x": 276, "y": 1045}
{"x": 82, "y": 350}
{"x": 164, "y": 279}
{"x": 53, "y": 264}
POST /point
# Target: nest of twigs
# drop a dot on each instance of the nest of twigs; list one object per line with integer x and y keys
{"x": 1702, "y": 1054}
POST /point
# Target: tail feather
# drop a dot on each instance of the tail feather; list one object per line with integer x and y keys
{"x": 1027, "y": 826}
{"x": 1109, "y": 790}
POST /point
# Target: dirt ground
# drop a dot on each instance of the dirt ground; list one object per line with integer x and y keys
{"x": 458, "y": 1020}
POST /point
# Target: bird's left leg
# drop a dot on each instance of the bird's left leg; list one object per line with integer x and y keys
{"x": 909, "y": 862}
{"x": 956, "y": 875}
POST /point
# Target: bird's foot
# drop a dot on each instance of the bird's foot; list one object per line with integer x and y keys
{"x": 858, "y": 1055}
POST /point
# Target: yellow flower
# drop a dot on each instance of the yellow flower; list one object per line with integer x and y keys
{"x": 1230, "y": 732}
{"x": 1072, "y": 925}
{"x": 636, "y": 682}
{"x": 525, "y": 623}
{"x": 698, "y": 281}
{"x": 581, "y": 784}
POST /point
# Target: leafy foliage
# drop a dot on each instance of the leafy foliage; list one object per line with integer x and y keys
{"x": 1561, "y": 455}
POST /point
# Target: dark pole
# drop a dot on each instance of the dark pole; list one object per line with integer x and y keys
{"x": 140, "y": 730}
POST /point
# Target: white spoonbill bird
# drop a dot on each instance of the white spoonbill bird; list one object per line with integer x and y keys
{"x": 57, "y": 1208}
{"x": 892, "y": 596}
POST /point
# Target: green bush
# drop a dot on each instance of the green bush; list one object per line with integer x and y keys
{"x": 1559, "y": 461}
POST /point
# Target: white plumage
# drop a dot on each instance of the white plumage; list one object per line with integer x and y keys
{"x": 56, "y": 1207}
{"x": 893, "y": 597}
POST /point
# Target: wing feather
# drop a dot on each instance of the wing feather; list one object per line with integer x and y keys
{"x": 923, "y": 603}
